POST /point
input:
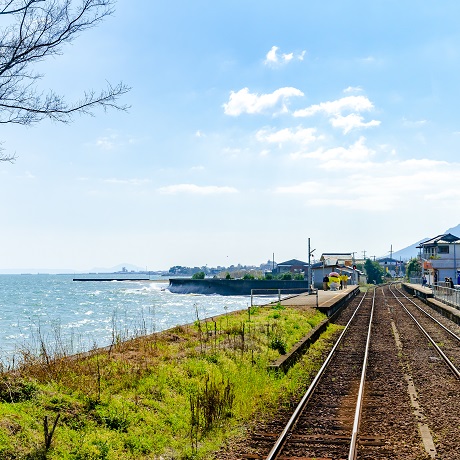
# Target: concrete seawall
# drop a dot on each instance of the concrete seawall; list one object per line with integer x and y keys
{"x": 235, "y": 287}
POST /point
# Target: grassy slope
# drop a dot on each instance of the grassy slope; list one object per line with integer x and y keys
{"x": 176, "y": 394}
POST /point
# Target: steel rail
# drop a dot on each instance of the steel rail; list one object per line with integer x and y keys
{"x": 359, "y": 403}
{"x": 449, "y": 363}
{"x": 455, "y": 336}
{"x": 295, "y": 415}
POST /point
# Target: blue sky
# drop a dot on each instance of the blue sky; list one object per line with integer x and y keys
{"x": 253, "y": 126}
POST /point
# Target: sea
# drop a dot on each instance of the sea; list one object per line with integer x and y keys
{"x": 66, "y": 316}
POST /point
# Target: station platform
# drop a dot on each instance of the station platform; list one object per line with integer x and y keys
{"x": 327, "y": 302}
{"x": 426, "y": 295}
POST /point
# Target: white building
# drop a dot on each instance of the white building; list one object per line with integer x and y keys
{"x": 440, "y": 257}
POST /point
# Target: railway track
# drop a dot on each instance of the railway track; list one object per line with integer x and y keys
{"x": 325, "y": 422}
{"x": 385, "y": 390}
{"x": 433, "y": 329}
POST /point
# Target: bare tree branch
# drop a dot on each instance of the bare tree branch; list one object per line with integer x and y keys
{"x": 5, "y": 157}
{"x": 38, "y": 29}
{"x": 5, "y": 9}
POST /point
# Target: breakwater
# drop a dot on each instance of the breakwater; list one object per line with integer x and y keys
{"x": 235, "y": 287}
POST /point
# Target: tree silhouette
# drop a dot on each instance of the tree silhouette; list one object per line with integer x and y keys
{"x": 374, "y": 271}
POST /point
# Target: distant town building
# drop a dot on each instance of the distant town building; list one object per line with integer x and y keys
{"x": 292, "y": 266}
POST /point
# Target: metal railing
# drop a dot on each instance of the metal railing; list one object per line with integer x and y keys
{"x": 415, "y": 280}
{"x": 446, "y": 294}
{"x": 271, "y": 293}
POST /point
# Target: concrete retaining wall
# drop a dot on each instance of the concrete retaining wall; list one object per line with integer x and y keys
{"x": 235, "y": 287}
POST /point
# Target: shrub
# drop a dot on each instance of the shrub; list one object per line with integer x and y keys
{"x": 198, "y": 276}
{"x": 248, "y": 276}
{"x": 276, "y": 343}
{"x": 15, "y": 390}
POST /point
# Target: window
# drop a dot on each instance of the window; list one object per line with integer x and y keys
{"x": 443, "y": 249}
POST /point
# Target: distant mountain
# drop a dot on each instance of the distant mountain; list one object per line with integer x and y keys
{"x": 62, "y": 271}
{"x": 411, "y": 251}
{"x": 454, "y": 230}
{"x": 408, "y": 252}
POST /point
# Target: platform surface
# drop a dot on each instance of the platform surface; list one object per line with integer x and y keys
{"x": 325, "y": 298}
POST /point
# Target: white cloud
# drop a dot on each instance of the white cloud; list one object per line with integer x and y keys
{"x": 199, "y": 134}
{"x": 352, "y": 121}
{"x": 298, "y": 135}
{"x": 422, "y": 163}
{"x": 106, "y": 143}
{"x": 273, "y": 59}
{"x": 383, "y": 186}
{"x": 192, "y": 189}
{"x": 356, "y": 156}
{"x": 243, "y": 101}
{"x": 413, "y": 123}
{"x": 353, "y": 89}
{"x": 232, "y": 151}
{"x": 334, "y": 110}
{"x": 113, "y": 139}
{"x": 348, "y": 103}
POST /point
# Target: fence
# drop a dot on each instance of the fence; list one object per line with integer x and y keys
{"x": 446, "y": 294}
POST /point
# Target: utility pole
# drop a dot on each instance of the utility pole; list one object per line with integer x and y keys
{"x": 309, "y": 267}
{"x": 309, "y": 275}
{"x": 354, "y": 274}
{"x": 364, "y": 254}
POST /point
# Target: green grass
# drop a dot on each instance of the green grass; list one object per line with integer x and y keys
{"x": 176, "y": 394}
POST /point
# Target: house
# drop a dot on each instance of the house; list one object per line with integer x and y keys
{"x": 440, "y": 257}
{"x": 339, "y": 258}
{"x": 336, "y": 262}
{"x": 292, "y": 266}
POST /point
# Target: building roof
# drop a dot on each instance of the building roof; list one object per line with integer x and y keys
{"x": 292, "y": 262}
{"x": 446, "y": 238}
{"x": 388, "y": 260}
{"x": 336, "y": 255}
